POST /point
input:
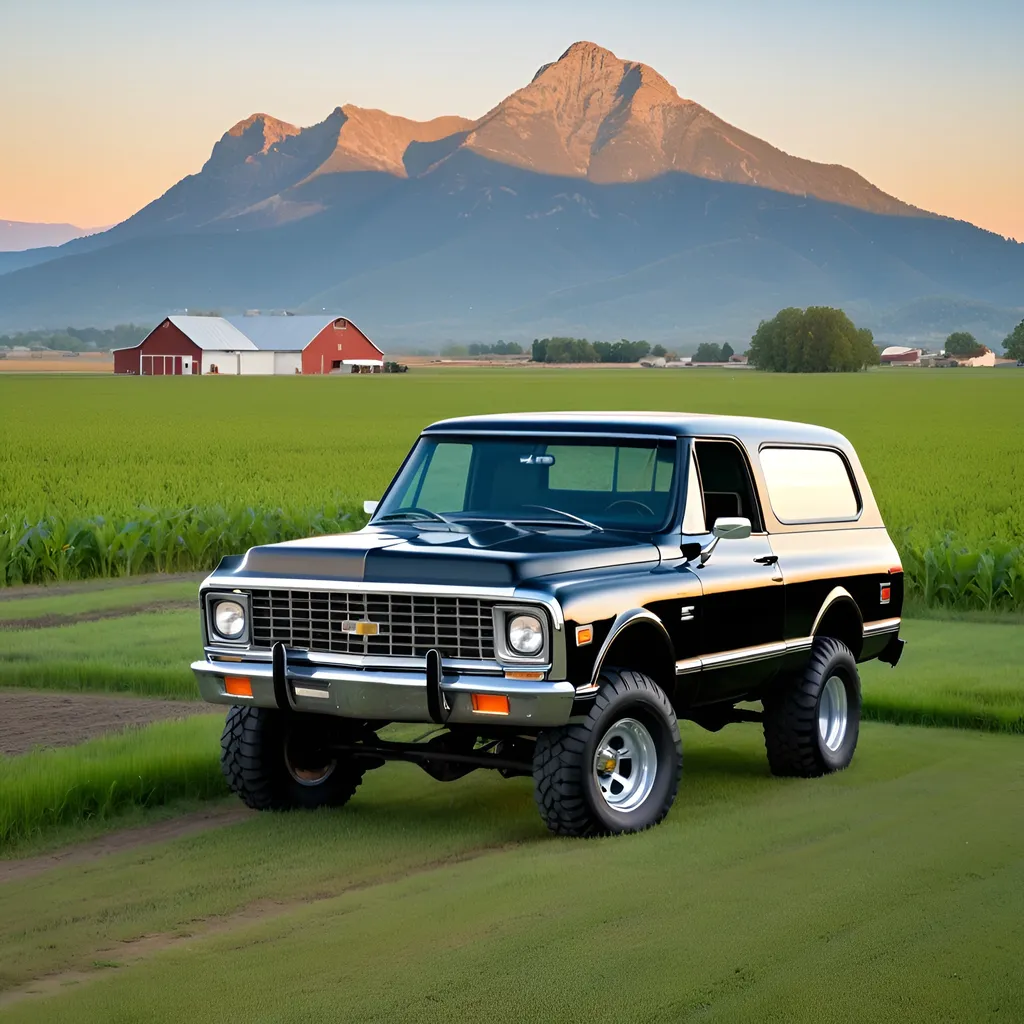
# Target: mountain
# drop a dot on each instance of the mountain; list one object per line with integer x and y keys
{"x": 595, "y": 200}
{"x": 592, "y": 115}
{"x": 16, "y": 235}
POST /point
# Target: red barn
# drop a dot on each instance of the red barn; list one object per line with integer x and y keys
{"x": 251, "y": 345}
{"x": 316, "y": 344}
{"x": 182, "y": 345}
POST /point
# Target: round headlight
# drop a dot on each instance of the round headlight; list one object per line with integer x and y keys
{"x": 229, "y": 619}
{"x": 526, "y": 634}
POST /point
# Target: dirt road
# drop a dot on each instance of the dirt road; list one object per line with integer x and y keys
{"x": 29, "y": 719}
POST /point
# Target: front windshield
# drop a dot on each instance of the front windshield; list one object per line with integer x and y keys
{"x": 612, "y": 484}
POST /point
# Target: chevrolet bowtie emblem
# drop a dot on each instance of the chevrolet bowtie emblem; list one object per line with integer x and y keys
{"x": 362, "y": 627}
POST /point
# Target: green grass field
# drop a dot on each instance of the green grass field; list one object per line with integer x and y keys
{"x": 101, "y": 778}
{"x": 145, "y": 654}
{"x": 98, "y": 598}
{"x": 944, "y": 452}
{"x": 890, "y": 892}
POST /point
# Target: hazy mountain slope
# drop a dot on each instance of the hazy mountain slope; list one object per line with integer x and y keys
{"x": 16, "y": 235}
{"x": 482, "y": 246}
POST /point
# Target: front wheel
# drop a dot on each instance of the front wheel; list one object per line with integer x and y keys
{"x": 811, "y": 721}
{"x": 276, "y": 761}
{"x": 619, "y": 770}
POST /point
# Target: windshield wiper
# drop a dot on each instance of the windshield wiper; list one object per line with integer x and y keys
{"x": 575, "y": 520}
{"x": 424, "y": 512}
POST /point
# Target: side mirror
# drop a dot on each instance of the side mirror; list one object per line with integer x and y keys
{"x": 731, "y": 528}
{"x": 369, "y": 507}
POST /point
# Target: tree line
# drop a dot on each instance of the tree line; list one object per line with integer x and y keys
{"x": 78, "y": 339}
{"x": 579, "y": 350}
{"x": 499, "y": 348}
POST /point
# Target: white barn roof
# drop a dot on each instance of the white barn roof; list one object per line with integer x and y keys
{"x": 212, "y": 333}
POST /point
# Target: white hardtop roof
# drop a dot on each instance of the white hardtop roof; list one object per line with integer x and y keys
{"x": 212, "y": 333}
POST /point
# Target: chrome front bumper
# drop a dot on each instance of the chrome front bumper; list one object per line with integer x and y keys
{"x": 390, "y": 695}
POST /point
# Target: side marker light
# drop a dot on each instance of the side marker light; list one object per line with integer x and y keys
{"x": 237, "y": 686}
{"x": 490, "y": 703}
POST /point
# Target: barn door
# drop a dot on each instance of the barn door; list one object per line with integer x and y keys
{"x": 177, "y": 366}
{"x": 147, "y": 366}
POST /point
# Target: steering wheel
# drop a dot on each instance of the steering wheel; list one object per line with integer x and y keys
{"x": 629, "y": 501}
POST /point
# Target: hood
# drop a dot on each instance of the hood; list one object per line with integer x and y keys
{"x": 498, "y": 555}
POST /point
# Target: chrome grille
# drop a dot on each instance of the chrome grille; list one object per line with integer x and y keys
{"x": 409, "y": 625}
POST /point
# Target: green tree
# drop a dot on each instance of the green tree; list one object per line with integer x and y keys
{"x": 626, "y": 351}
{"x": 659, "y": 351}
{"x": 818, "y": 339}
{"x": 962, "y": 343}
{"x": 708, "y": 352}
{"x": 727, "y": 352}
{"x": 1013, "y": 343}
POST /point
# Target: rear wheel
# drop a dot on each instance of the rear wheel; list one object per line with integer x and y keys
{"x": 812, "y": 721}
{"x": 619, "y": 770}
{"x": 276, "y": 761}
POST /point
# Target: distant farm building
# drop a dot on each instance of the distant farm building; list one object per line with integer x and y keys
{"x": 251, "y": 345}
{"x": 900, "y": 355}
{"x": 987, "y": 358}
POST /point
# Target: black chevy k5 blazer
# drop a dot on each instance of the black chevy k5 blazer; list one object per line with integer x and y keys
{"x": 549, "y": 593}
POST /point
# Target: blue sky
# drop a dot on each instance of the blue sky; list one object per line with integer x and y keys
{"x": 106, "y": 104}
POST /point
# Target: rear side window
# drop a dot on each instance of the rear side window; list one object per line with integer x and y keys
{"x": 809, "y": 485}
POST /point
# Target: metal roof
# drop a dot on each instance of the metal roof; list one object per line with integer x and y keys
{"x": 212, "y": 333}
{"x": 281, "y": 333}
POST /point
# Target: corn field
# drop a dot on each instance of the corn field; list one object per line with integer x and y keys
{"x": 56, "y": 548}
{"x": 108, "y": 476}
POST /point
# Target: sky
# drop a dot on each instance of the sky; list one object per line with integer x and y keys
{"x": 105, "y": 105}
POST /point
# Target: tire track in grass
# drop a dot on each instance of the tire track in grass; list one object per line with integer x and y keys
{"x": 123, "y": 840}
{"x": 135, "y": 951}
{"x": 30, "y": 591}
{"x": 54, "y": 619}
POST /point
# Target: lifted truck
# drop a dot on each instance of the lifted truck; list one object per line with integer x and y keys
{"x": 549, "y": 593}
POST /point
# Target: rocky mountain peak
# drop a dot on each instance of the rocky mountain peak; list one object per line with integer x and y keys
{"x": 268, "y": 129}
{"x": 573, "y": 109}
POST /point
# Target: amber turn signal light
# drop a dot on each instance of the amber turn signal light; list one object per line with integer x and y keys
{"x": 584, "y": 635}
{"x": 490, "y": 703}
{"x": 237, "y": 686}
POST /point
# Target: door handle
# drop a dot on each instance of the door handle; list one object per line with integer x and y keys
{"x": 767, "y": 560}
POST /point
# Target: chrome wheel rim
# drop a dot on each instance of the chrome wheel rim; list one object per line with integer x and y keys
{"x": 833, "y": 713}
{"x": 625, "y": 765}
{"x": 301, "y": 772}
